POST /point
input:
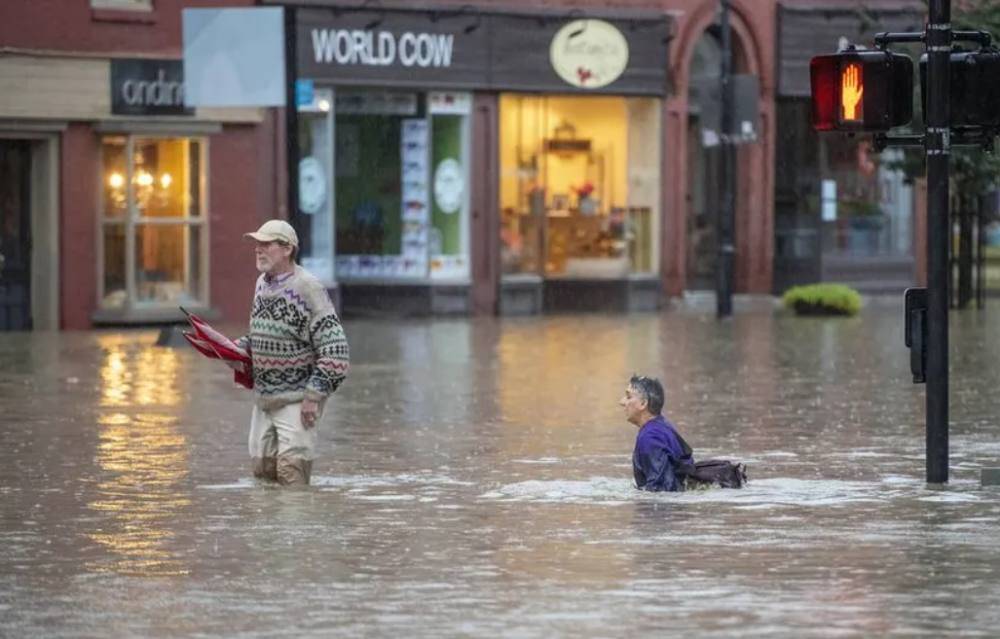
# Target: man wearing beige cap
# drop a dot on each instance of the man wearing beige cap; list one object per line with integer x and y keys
{"x": 299, "y": 354}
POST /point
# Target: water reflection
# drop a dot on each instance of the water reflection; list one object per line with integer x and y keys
{"x": 474, "y": 480}
{"x": 137, "y": 374}
{"x": 143, "y": 459}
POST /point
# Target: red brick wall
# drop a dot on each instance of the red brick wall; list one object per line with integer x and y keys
{"x": 242, "y": 166}
{"x": 79, "y": 166}
{"x": 71, "y": 25}
{"x": 241, "y": 196}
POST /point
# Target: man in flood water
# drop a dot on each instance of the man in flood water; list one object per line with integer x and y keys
{"x": 661, "y": 459}
{"x": 299, "y": 355}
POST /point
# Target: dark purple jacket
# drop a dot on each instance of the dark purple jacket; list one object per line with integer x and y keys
{"x": 661, "y": 457}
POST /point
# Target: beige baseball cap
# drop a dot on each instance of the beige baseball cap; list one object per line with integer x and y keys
{"x": 275, "y": 230}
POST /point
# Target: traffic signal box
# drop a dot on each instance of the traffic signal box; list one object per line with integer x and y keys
{"x": 974, "y": 87}
{"x": 861, "y": 91}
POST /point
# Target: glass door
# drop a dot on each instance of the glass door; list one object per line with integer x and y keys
{"x": 15, "y": 235}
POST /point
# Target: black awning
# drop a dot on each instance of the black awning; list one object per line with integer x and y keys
{"x": 609, "y": 52}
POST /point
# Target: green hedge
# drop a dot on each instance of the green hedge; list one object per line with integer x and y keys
{"x": 822, "y": 299}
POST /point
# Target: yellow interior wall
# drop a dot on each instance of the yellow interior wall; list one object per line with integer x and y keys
{"x": 601, "y": 120}
{"x": 527, "y": 120}
{"x": 510, "y": 110}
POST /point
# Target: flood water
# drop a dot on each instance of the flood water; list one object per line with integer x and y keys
{"x": 474, "y": 479}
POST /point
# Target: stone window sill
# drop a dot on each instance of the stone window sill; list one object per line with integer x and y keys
{"x": 129, "y": 16}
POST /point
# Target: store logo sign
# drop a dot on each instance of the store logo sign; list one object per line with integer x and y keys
{"x": 367, "y": 48}
{"x": 148, "y": 87}
{"x": 589, "y": 53}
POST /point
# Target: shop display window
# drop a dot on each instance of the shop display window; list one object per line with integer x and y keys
{"x": 837, "y": 195}
{"x": 579, "y": 185}
{"x": 153, "y": 239}
{"x": 400, "y": 185}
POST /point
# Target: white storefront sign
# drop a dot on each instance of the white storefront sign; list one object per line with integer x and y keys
{"x": 357, "y": 46}
{"x": 589, "y": 53}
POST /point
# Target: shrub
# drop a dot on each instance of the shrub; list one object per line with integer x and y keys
{"x": 822, "y": 299}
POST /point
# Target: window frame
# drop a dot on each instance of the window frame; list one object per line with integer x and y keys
{"x": 131, "y": 220}
{"x": 122, "y": 5}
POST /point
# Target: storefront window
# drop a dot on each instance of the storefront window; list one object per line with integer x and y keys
{"x": 865, "y": 204}
{"x": 580, "y": 185}
{"x": 400, "y": 185}
{"x": 153, "y": 240}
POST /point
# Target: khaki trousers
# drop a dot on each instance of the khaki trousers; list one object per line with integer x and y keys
{"x": 281, "y": 448}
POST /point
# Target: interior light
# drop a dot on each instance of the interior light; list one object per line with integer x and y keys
{"x": 144, "y": 178}
{"x": 165, "y": 180}
{"x": 116, "y": 180}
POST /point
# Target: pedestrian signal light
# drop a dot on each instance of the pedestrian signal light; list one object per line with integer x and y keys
{"x": 852, "y": 90}
{"x": 974, "y": 87}
{"x": 861, "y": 91}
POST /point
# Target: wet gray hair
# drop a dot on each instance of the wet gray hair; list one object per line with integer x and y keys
{"x": 651, "y": 390}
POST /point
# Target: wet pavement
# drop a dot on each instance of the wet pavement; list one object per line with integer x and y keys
{"x": 474, "y": 480}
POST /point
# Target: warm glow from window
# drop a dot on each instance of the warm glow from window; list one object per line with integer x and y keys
{"x": 144, "y": 178}
{"x": 116, "y": 180}
{"x": 165, "y": 180}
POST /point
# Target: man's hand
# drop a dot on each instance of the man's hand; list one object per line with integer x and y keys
{"x": 310, "y": 412}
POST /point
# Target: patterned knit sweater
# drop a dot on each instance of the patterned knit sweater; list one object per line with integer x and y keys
{"x": 296, "y": 342}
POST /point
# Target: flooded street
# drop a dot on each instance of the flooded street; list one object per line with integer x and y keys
{"x": 474, "y": 479}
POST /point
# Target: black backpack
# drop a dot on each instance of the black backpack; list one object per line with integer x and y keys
{"x": 716, "y": 472}
{"x": 711, "y": 472}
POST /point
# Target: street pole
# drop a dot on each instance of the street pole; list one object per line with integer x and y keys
{"x": 725, "y": 223}
{"x": 937, "y": 144}
{"x": 292, "y": 126}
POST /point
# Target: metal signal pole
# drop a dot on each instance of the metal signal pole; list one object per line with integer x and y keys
{"x": 938, "y": 41}
{"x": 726, "y": 220}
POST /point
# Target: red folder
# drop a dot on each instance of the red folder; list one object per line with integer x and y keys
{"x": 214, "y": 345}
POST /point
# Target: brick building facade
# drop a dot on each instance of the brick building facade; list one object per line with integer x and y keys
{"x": 450, "y": 160}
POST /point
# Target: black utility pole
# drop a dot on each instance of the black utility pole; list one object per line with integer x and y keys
{"x": 725, "y": 222}
{"x": 937, "y": 144}
{"x": 292, "y": 125}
